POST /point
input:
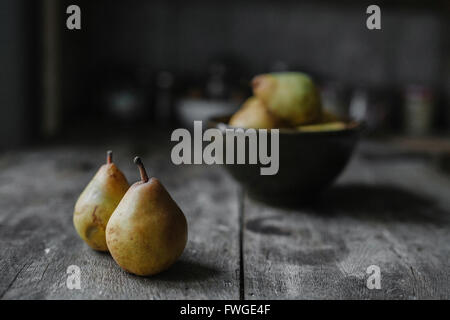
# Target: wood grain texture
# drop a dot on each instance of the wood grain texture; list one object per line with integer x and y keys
{"x": 38, "y": 242}
{"x": 386, "y": 210}
{"x": 393, "y": 214}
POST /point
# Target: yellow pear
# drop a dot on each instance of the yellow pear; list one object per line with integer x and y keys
{"x": 253, "y": 114}
{"x": 291, "y": 96}
{"x": 328, "y": 116}
{"x": 97, "y": 202}
{"x": 329, "y": 126}
{"x": 148, "y": 231}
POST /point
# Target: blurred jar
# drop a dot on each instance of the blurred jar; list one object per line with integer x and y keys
{"x": 375, "y": 107}
{"x": 125, "y": 104}
{"x": 333, "y": 97}
{"x": 359, "y": 105}
{"x": 418, "y": 110}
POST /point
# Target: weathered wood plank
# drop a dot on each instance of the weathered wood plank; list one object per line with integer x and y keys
{"x": 393, "y": 214}
{"x": 38, "y": 189}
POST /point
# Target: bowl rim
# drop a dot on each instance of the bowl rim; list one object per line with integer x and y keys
{"x": 352, "y": 127}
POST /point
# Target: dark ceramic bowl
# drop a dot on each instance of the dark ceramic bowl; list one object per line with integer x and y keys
{"x": 308, "y": 163}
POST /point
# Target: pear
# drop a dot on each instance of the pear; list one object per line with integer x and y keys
{"x": 97, "y": 202}
{"x": 328, "y": 117}
{"x": 148, "y": 231}
{"x": 329, "y": 126}
{"x": 253, "y": 114}
{"x": 291, "y": 96}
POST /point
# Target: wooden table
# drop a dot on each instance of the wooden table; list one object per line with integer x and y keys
{"x": 388, "y": 211}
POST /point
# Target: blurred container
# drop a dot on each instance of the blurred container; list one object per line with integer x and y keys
{"x": 374, "y": 107}
{"x": 359, "y": 105}
{"x": 418, "y": 110}
{"x": 188, "y": 110}
{"x": 220, "y": 93}
{"x": 301, "y": 175}
{"x": 333, "y": 99}
{"x": 125, "y": 104}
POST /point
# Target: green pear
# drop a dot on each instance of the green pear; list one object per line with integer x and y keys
{"x": 291, "y": 96}
{"x": 253, "y": 114}
{"x": 148, "y": 231}
{"x": 97, "y": 202}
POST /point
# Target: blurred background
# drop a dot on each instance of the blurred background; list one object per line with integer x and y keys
{"x": 139, "y": 68}
{"x": 166, "y": 63}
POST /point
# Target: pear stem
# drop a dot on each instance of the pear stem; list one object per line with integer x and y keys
{"x": 108, "y": 156}
{"x": 138, "y": 162}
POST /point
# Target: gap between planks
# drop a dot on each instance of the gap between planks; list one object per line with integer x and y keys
{"x": 241, "y": 206}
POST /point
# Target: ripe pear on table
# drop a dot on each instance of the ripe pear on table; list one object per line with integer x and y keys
{"x": 97, "y": 202}
{"x": 148, "y": 231}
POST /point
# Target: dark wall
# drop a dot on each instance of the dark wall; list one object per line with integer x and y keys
{"x": 18, "y": 82}
{"x": 323, "y": 38}
{"x": 328, "y": 40}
